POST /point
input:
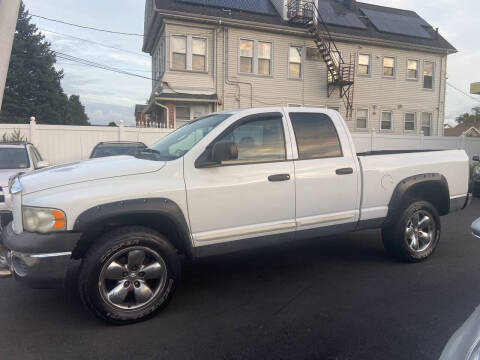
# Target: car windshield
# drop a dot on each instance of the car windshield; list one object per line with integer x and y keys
{"x": 117, "y": 149}
{"x": 14, "y": 158}
{"x": 179, "y": 142}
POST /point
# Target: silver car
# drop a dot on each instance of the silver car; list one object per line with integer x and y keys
{"x": 15, "y": 158}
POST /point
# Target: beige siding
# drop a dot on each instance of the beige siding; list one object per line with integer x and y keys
{"x": 373, "y": 92}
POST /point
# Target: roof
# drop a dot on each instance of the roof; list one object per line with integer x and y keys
{"x": 437, "y": 41}
{"x": 140, "y": 108}
{"x": 461, "y": 128}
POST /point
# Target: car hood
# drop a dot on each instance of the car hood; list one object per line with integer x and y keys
{"x": 90, "y": 170}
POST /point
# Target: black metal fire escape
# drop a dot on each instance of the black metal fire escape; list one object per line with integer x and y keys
{"x": 340, "y": 74}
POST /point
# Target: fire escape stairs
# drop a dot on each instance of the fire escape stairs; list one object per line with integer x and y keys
{"x": 340, "y": 74}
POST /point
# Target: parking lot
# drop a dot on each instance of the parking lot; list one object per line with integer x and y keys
{"x": 333, "y": 298}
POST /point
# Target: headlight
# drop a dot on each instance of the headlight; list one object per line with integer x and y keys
{"x": 43, "y": 220}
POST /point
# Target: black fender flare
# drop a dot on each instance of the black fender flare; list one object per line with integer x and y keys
{"x": 161, "y": 207}
{"x": 406, "y": 185}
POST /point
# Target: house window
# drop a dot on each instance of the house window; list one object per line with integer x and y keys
{"x": 264, "y": 58}
{"x": 246, "y": 56}
{"x": 412, "y": 69}
{"x": 295, "y": 70}
{"x": 362, "y": 118}
{"x": 428, "y": 75}
{"x": 363, "y": 64}
{"x": 255, "y": 57}
{"x": 158, "y": 66}
{"x": 199, "y": 54}
{"x": 386, "y": 120}
{"x": 188, "y": 53}
{"x": 388, "y": 66}
{"x": 410, "y": 122}
{"x": 182, "y": 115}
{"x": 427, "y": 124}
{"x": 179, "y": 52}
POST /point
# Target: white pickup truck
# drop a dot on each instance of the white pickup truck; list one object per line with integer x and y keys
{"x": 229, "y": 181}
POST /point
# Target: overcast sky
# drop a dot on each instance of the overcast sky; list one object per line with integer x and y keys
{"x": 111, "y": 97}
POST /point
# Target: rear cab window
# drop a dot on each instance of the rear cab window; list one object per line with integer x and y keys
{"x": 316, "y": 136}
{"x": 14, "y": 158}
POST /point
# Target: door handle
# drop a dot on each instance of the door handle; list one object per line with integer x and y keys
{"x": 344, "y": 171}
{"x": 279, "y": 177}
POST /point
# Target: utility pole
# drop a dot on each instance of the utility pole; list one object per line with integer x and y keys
{"x": 8, "y": 21}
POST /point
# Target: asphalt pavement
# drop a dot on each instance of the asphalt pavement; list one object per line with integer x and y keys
{"x": 332, "y": 298}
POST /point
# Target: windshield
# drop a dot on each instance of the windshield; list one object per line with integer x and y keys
{"x": 113, "y": 149}
{"x": 14, "y": 158}
{"x": 179, "y": 142}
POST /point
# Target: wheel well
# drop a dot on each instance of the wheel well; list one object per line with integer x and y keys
{"x": 162, "y": 223}
{"x": 435, "y": 192}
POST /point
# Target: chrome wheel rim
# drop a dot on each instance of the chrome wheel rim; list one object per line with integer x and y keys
{"x": 132, "y": 278}
{"x": 420, "y": 231}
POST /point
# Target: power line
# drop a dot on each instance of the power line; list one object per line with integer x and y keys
{"x": 64, "y": 56}
{"x": 87, "y": 27}
{"x": 463, "y": 92}
{"x": 66, "y": 62}
{"x": 94, "y": 42}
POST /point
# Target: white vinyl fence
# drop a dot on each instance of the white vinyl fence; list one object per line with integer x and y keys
{"x": 60, "y": 144}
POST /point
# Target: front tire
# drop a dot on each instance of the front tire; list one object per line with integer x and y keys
{"x": 415, "y": 235}
{"x": 129, "y": 275}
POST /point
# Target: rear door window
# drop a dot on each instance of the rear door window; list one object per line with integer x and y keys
{"x": 316, "y": 136}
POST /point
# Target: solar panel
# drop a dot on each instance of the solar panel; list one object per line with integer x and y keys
{"x": 255, "y": 6}
{"x": 397, "y": 23}
{"x": 341, "y": 18}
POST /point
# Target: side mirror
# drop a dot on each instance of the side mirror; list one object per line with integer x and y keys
{"x": 476, "y": 158}
{"x": 42, "y": 164}
{"x": 224, "y": 151}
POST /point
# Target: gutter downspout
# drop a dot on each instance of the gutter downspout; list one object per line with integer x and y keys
{"x": 225, "y": 70}
{"x": 440, "y": 94}
{"x": 166, "y": 111}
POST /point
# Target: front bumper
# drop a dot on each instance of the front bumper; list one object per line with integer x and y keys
{"x": 38, "y": 260}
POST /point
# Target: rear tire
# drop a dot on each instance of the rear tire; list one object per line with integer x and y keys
{"x": 415, "y": 235}
{"x": 129, "y": 275}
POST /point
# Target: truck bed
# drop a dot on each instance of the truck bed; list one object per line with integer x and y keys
{"x": 381, "y": 174}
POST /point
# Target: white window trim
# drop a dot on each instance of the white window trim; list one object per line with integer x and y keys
{"x": 433, "y": 75}
{"x": 414, "y": 121}
{"x": 356, "y": 119}
{"x": 302, "y": 63}
{"x": 391, "y": 121}
{"x": 418, "y": 69}
{"x": 394, "y": 67}
{"x": 189, "y": 53}
{"x": 255, "y": 57}
{"x": 369, "y": 64}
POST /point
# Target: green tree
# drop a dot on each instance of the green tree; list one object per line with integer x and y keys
{"x": 75, "y": 114}
{"x": 467, "y": 119}
{"x": 33, "y": 84}
{"x": 112, "y": 123}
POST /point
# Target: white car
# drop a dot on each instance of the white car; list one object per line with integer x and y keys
{"x": 15, "y": 158}
{"x": 229, "y": 181}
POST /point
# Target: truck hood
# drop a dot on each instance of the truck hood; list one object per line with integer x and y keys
{"x": 5, "y": 176}
{"x": 90, "y": 170}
